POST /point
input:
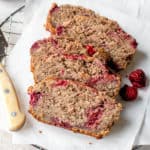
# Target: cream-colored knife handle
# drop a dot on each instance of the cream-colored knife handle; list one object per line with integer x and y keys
{"x": 15, "y": 116}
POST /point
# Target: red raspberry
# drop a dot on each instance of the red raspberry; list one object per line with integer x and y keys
{"x": 138, "y": 78}
{"x": 54, "y": 42}
{"x": 59, "y": 30}
{"x": 90, "y": 50}
{"x": 61, "y": 83}
{"x": 128, "y": 93}
{"x": 34, "y": 97}
{"x": 74, "y": 56}
{"x": 94, "y": 115}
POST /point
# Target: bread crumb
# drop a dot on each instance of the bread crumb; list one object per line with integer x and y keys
{"x": 40, "y": 131}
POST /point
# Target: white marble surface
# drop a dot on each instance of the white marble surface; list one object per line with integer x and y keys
{"x": 142, "y": 11}
{"x": 6, "y": 143}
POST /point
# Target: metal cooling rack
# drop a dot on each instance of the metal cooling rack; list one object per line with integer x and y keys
{"x": 12, "y": 28}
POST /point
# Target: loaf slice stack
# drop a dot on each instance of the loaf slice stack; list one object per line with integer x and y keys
{"x": 75, "y": 87}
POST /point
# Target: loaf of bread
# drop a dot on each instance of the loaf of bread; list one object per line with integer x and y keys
{"x": 73, "y": 69}
{"x": 73, "y": 106}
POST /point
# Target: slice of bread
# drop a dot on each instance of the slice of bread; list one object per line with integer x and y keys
{"x": 80, "y": 68}
{"x": 73, "y": 106}
{"x": 63, "y": 45}
{"x": 92, "y": 29}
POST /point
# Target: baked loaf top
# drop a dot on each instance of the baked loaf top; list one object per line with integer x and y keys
{"x": 73, "y": 106}
{"x": 92, "y": 29}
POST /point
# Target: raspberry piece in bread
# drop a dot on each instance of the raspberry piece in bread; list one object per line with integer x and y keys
{"x": 63, "y": 45}
{"x": 94, "y": 30}
{"x": 73, "y": 106}
{"x": 88, "y": 70}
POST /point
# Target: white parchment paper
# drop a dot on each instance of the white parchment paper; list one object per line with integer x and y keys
{"x": 123, "y": 134}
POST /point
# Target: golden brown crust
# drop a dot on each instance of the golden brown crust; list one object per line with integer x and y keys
{"x": 31, "y": 65}
{"x": 119, "y": 86}
{"x": 48, "y": 24}
{"x": 97, "y": 135}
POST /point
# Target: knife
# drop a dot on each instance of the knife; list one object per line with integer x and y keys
{"x": 16, "y": 118}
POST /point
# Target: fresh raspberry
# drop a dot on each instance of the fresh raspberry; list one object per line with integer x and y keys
{"x": 34, "y": 97}
{"x": 128, "y": 93}
{"x": 90, "y": 50}
{"x": 138, "y": 78}
{"x": 59, "y": 30}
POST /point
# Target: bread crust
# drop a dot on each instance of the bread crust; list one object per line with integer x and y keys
{"x": 48, "y": 25}
{"x": 97, "y": 135}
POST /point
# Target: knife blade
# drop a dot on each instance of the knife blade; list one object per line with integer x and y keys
{"x": 15, "y": 117}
